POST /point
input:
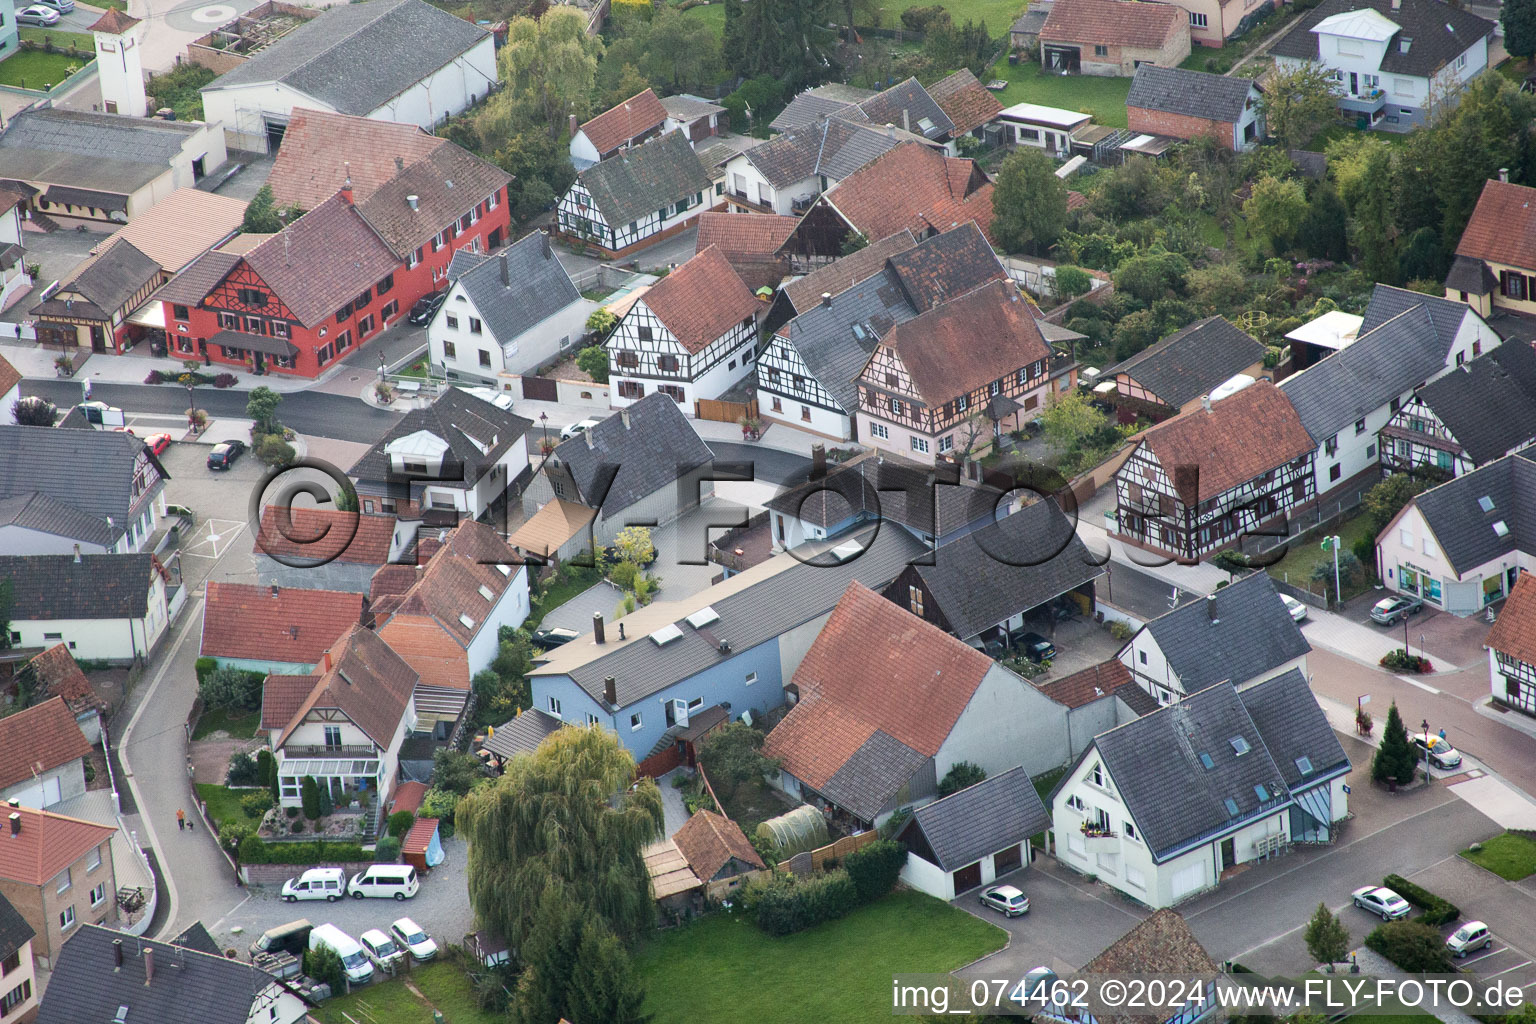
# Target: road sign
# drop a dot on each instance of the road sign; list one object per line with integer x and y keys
{"x": 1366, "y": 699}
{"x": 1327, "y": 543}
{"x": 1346, "y": 789}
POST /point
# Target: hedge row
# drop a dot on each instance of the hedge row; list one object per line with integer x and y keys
{"x": 254, "y": 851}
{"x": 1412, "y": 945}
{"x": 782, "y": 904}
{"x": 1437, "y": 911}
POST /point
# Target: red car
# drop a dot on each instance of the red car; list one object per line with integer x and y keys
{"x": 158, "y": 443}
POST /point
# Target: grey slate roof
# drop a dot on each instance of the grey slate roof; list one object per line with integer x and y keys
{"x": 1024, "y": 560}
{"x": 523, "y": 734}
{"x": 1464, "y": 531}
{"x": 826, "y": 339}
{"x": 1033, "y": 19}
{"x": 90, "y": 471}
{"x": 654, "y": 449}
{"x": 890, "y": 488}
{"x": 1253, "y": 633}
{"x": 964, "y": 827}
{"x": 907, "y": 105}
{"x": 1439, "y": 33}
{"x": 1471, "y": 275}
{"x": 197, "y": 937}
{"x": 946, "y": 266}
{"x": 1287, "y": 717}
{"x": 1191, "y": 362}
{"x": 798, "y": 592}
{"x": 517, "y": 288}
{"x": 44, "y": 513}
{"x": 14, "y": 930}
{"x": 50, "y": 587}
{"x": 643, "y": 179}
{"x": 873, "y": 775}
{"x": 357, "y": 57}
{"x": 1489, "y": 404}
{"x": 465, "y": 423}
{"x": 189, "y": 987}
{"x": 1403, "y": 341}
{"x": 834, "y": 147}
{"x": 1191, "y": 93}
{"x": 808, "y": 108}
{"x": 105, "y": 152}
{"x": 114, "y": 277}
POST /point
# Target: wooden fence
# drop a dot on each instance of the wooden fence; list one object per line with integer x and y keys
{"x": 724, "y": 412}
{"x": 659, "y": 764}
{"x": 840, "y": 849}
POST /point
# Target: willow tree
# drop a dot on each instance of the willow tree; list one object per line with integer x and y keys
{"x": 567, "y": 818}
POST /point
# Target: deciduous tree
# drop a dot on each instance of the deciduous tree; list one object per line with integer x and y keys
{"x": 1326, "y": 938}
{"x": 1276, "y": 209}
{"x": 1029, "y": 203}
{"x": 733, "y": 755}
{"x": 549, "y": 68}
{"x": 1519, "y": 20}
{"x": 1298, "y": 103}
{"x": 961, "y": 775}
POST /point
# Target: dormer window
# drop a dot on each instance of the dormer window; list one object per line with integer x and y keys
{"x": 1404, "y": 44}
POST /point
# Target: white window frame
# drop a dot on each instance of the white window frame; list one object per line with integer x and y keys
{"x": 919, "y": 444}
{"x": 99, "y": 894}
{"x": 554, "y": 706}
{"x": 65, "y": 881}
{"x": 635, "y": 722}
{"x": 880, "y": 430}
{"x": 1197, "y": 20}
{"x": 67, "y": 919}
{"x": 751, "y": 678}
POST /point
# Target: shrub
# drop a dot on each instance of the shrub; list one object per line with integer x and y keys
{"x": 1401, "y": 661}
{"x": 439, "y": 804}
{"x": 1412, "y": 945}
{"x": 963, "y": 774}
{"x": 918, "y": 19}
{"x": 274, "y": 451}
{"x": 1120, "y": 630}
{"x": 203, "y": 666}
{"x": 324, "y": 964}
{"x": 317, "y": 852}
{"x": 783, "y": 904}
{"x": 154, "y": 377}
{"x": 387, "y": 851}
{"x": 225, "y": 380}
{"x": 327, "y": 807}
{"x": 292, "y": 812}
{"x": 233, "y": 834}
{"x": 256, "y": 804}
{"x": 623, "y": 574}
{"x": 295, "y": 827}
{"x": 1437, "y": 911}
{"x": 242, "y": 769}
{"x": 252, "y": 851}
{"x": 400, "y": 823}
{"x": 874, "y": 868}
{"x": 593, "y": 361}
{"x": 266, "y": 767}
{"x": 309, "y": 793}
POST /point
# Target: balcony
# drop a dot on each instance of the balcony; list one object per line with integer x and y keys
{"x": 740, "y": 198}
{"x": 364, "y": 750}
{"x": 1099, "y": 837}
{"x": 1367, "y": 101}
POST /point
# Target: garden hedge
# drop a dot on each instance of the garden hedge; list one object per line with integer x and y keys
{"x": 1412, "y": 945}
{"x": 784, "y": 903}
{"x": 875, "y": 868}
{"x": 1437, "y": 911}
{"x": 254, "y": 851}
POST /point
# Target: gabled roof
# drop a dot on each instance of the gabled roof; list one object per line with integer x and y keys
{"x": 463, "y": 581}
{"x": 189, "y": 986}
{"x": 50, "y": 587}
{"x": 648, "y": 446}
{"x": 965, "y": 101}
{"x": 701, "y": 300}
{"x": 109, "y": 279}
{"x": 357, "y": 57}
{"x": 685, "y": 107}
{"x": 323, "y": 260}
{"x": 1469, "y": 536}
{"x": 545, "y": 532}
{"x": 1301, "y": 741}
{"x": 1191, "y": 362}
{"x": 1471, "y": 275}
{"x": 427, "y": 646}
{"x": 835, "y": 339}
{"x": 1237, "y": 633}
{"x": 708, "y": 841}
{"x": 1004, "y": 568}
{"x": 1489, "y": 404}
{"x": 1161, "y": 944}
{"x": 946, "y": 266}
{"x": 523, "y": 734}
{"x": 880, "y": 680}
{"x": 321, "y": 150}
{"x": 48, "y": 843}
{"x": 892, "y": 488}
{"x": 447, "y": 183}
{"x": 516, "y": 289}
{"x": 1095, "y": 682}
{"x": 115, "y": 22}
{"x": 908, "y": 106}
{"x": 316, "y": 536}
{"x": 997, "y": 812}
{"x": 624, "y": 121}
{"x": 9, "y": 376}
{"x": 835, "y": 148}
{"x": 968, "y": 342}
{"x": 1436, "y": 32}
{"x": 477, "y": 435}
{"x": 181, "y": 227}
{"x": 1191, "y": 93}
{"x": 642, "y": 180}
{"x": 14, "y": 930}
{"x": 1502, "y": 228}
{"x": 1113, "y": 23}
{"x": 1514, "y": 632}
{"x": 39, "y": 739}
{"x": 108, "y": 152}
{"x": 264, "y": 623}
{"x": 367, "y": 682}
{"x": 842, "y": 274}
{"x": 913, "y": 187}
{"x": 196, "y": 937}
{"x": 818, "y": 103}
{"x": 56, "y": 674}
{"x": 1245, "y": 435}
{"x": 47, "y": 514}
{"x": 198, "y": 278}
{"x": 281, "y": 698}
{"x": 756, "y": 237}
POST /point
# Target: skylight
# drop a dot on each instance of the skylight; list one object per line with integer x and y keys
{"x": 666, "y": 634}
{"x": 703, "y": 617}
{"x": 1205, "y": 759}
{"x": 466, "y": 621}
{"x": 1260, "y": 792}
{"x": 1304, "y": 765}
{"x": 1231, "y": 806}
{"x": 1485, "y": 503}
{"x": 1239, "y": 745}
{"x": 1501, "y": 528}
{"x": 504, "y": 568}
{"x": 487, "y": 593}
{"x": 851, "y": 549}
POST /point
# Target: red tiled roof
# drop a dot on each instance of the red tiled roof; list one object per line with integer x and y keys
{"x": 969, "y": 342}
{"x": 56, "y": 674}
{"x": 1089, "y": 685}
{"x": 617, "y": 125}
{"x": 322, "y": 261}
{"x": 9, "y": 377}
{"x": 874, "y": 666}
{"x": 420, "y": 836}
{"x": 1514, "y": 633}
{"x": 708, "y": 841}
{"x": 1113, "y": 23}
{"x": 367, "y": 682}
{"x": 1502, "y": 228}
{"x": 48, "y": 843}
{"x": 325, "y": 535}
{"x": 756, "y": 235}
{"x": 408, "y": 796}
{"x": 1076, "y": 200}
{"x": 281, "y": 698}
{"x": 429, "y": 649}
{"x": 245, "y": 621}
{"x": 702, "y": 299}
{"x": 454, "y": 583}
{"x": 965, "y": 101}
{"x": 41, "y": 738}
{"x": 114, "y": 22}
{"x": 841, "y": 274}
{"x": 320, "y": 150}
{"x": 1243, "y": 436}
{"x": 917, "y": 188}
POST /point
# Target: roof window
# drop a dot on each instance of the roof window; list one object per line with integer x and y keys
{"x": 1304, "y": 765}
{"x": 1239, "y": 745}
{"x": 1501, "y": 528}
{"x": 703, "y": 617}
{"x": 1205, "y": 759}
{"x": 1260, "y": 792}
{"x": 1485, "y": 503}
{"x": 1231, "y": 806}
{"x": 666, "y": 634}
{"x": 466, "y": 621}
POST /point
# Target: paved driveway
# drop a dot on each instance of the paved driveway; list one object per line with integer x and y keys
{"x": 1508, "y": 908}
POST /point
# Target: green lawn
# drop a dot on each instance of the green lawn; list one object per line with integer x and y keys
{"x": 998, "y": 14}
{"x": 446, "y": 988}
{"x": 576, "y": 580}
{"x": 1216, "y": 59}
{"x": 1511, "y": 855}
{"x": 1297, "y": 566}
{"x": 713, "y": 14}
{"x": 34, "y": 69}
{"x": 1104, "y": 98}
{"x": 722, "y": 969}
{"x": 238, "y": 725}
{"x": 224, "y": 803}
{"x": 42, "y": 36}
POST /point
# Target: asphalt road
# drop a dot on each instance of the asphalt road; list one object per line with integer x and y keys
{"x": 1140, "y": 593}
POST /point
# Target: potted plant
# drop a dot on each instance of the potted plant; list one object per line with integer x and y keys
{"x": 1363, "y": 722}
{"x": 384, "y": 392}
{"x": 64, "y": 365}
{"x": 751, "y": 428}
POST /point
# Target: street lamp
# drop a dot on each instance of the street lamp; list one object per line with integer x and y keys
{"x": 191, "y": 405}
{"x": 544, "y": 422}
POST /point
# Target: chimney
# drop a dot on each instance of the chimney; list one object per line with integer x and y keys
{"x": 149, "y": 964}
{"x": 599, "y": 634}
{"x": 1210, "y": 608}
{"x": 906, "y": 119}
{"x": 818, "y": 461}
{"x": 77, "y": 554}
{"x": 326, "y": 660}
{"x": 890, "y": 130}
{"x": 117, "y": 954}
{"x": 621, "y": 631}
{"x": 506, "y": 275}
{"x": 623, "y": 417}
{"x": 1205, "y": 402}
{"x": 549, "y": 250}
{"x": 1504, "y": 175}
{"x": 346, "y": 185}
{"x": 399, "y": 165}
{"x": 611, "y": 691}
{"x": 826, "y": 298}
{"x": 413, "y": 201}
{"x": 13, "y": 802}
{"x": 15, "y": 823}
{"x": 274, "y": 589}
{"x": 570, "y": 124}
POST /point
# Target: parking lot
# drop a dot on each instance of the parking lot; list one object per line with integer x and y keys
{"x": 1509, "y": 910}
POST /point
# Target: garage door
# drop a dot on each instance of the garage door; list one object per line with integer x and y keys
{"x": 1187, "y": 879}
{"x": 968, "y": 877}
{"x": 1004, "y": 861}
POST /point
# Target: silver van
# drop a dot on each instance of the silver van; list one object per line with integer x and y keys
{"x": 397, "y": 880}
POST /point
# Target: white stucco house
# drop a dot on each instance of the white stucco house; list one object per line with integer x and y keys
{"x": 104, "y": 607}
{"x": 43, "y": 760}
{"x": 973, "y": 837}
{"x": 14, "y": 279}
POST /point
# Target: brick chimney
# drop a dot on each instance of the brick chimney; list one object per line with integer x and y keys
{"x": 599, "y": 635}
{"x": 346, "y": 185}
{"x": 611, "y": 691}
{"x": 149, "y": 964}
{"x": 572, "y": 124}
{"x": 15, "y": 818}
{"x": 818, "y": 461}
{"x": 326, "y": 660}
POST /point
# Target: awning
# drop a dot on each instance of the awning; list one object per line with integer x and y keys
{"x": 67, "y": 195}
{"x": 440, "y": 702}
{"x": 151, "y": 314}
{"x": 255, "y": 343}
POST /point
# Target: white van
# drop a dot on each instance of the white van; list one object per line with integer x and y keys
{"x": 397, "y": 880}
{"x": 353, "y": 960}
{"x": 316, "y": 884}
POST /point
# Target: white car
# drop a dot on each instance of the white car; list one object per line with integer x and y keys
{"x": 409, "y": 935}
{"x": 1296, "y": 608}
{"x": 578, "y": 428}
{"x": 385, "y": 953}
{"x": 500, "y": 399}
{"x": 1007, "y": 899}
{"x": 1384, "y": 903}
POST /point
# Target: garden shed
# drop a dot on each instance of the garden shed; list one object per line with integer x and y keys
{"x": 423, "y": 846}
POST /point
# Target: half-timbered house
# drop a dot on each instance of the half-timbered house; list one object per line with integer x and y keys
{"x": 1511, "y": 647}
{"x": 1478, "y": 412}
{"x": 692, "y": 336}
{"x": 637, "y": 198}
{"x": 1205, "y": 480}
{"x": 945, "y": 382}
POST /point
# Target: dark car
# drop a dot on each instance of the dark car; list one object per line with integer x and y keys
{"x": 551, "y": 637}
{"x": 426, "y": 307}
{"x": 225, "y": 453}
{"x": 1032, "y": 645}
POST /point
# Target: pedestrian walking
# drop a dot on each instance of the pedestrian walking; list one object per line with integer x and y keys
{"x": 181, "y": 820}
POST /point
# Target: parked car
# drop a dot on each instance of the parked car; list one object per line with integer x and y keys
{"x": 354, "y": 961}
{"x": 1470, "y": 936}
{"x": 426, "y": 307}
{"x": 1384, "y": 903}
{"x": 37, "y": 14}
{"x": 1032, "y": 645}
{"x": 62, "y": 6}
{"x": 1436, "y": 750}
{"x": 292, "y": 937}
{"x": 580, "y": 427}
{"x": 409, "y": 934}
{"x": 385, "y": 953}
{"x": 992, "y": 646}
{"x": 1394, "y": 609}
{"x": 316, "y": 884}
{"x": 158, "y": 443}
{"x": 1007, "y": 899}
{"x": 547, "y": 638}
{"x": 397, "y": 880}
{"x": 500, "y": 399}
{"x": 1296, "y": 608}
{"x": 225, "y": 453}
